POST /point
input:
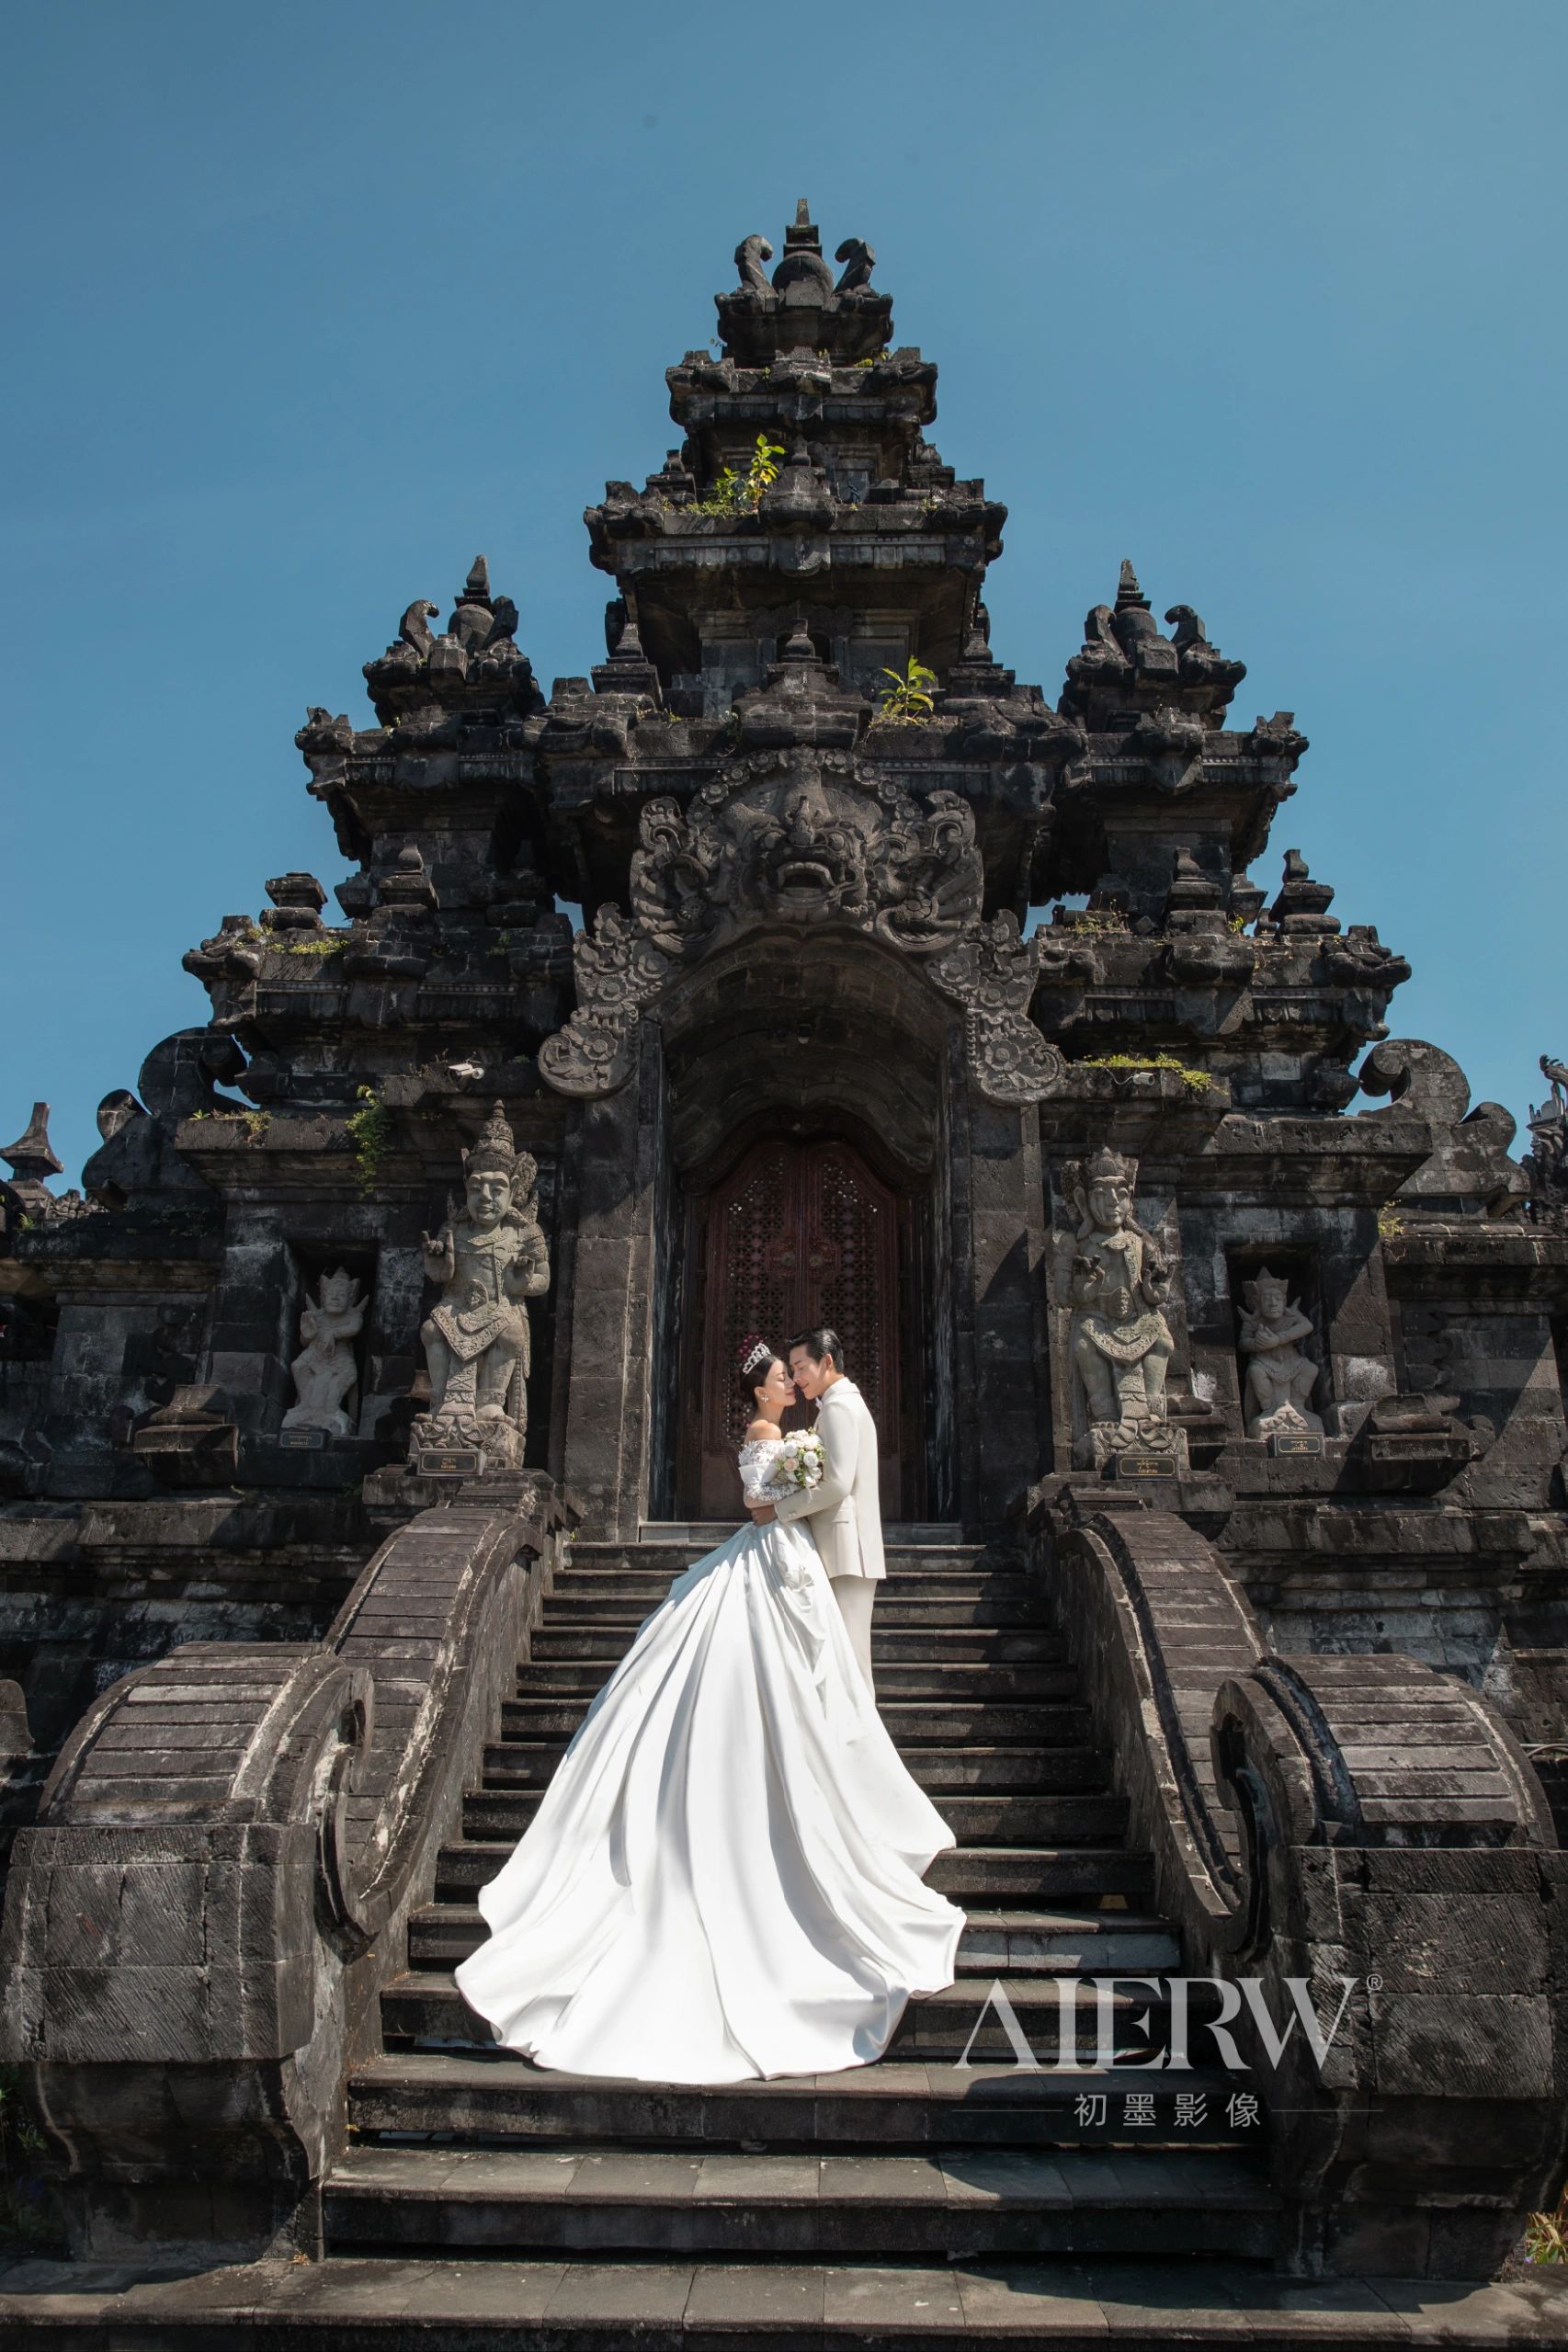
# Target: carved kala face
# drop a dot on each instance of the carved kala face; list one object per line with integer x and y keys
{"x": 1110, "y": 1204}
{"x": 488, "y": 1195}
{"x": 808, "y": 856}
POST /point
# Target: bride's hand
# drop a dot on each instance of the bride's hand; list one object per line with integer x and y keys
{"x": 762, "y": 1512}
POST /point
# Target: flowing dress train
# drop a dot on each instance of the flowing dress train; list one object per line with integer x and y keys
{"x": 723, "y": 1878}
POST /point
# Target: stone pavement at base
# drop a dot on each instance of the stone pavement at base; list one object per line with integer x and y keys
{"x": 439, "y": 2306}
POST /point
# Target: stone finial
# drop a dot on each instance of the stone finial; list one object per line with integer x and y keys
{"x": 1188, "y": 629}
{"x": 1192, "y": 891}
{"x": 861, "y": 260}
{"x": 300, "y": 892}
{"x": 1130, "y": 596}
{"x": 750, "y": 254}
{"x": 407, "y": 886}
{"x": 803, "y": 264}
{"x": 476, "y": 588}
{"x": 798, "y": 646}
{"x": 414, "y": 628}
{"x": 116, "y": 1109}
{"x": 31, "y": 1157}
{"x": 1302, "y": 903}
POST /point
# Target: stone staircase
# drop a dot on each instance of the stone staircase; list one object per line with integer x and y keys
{"x": 460, "y": 2148}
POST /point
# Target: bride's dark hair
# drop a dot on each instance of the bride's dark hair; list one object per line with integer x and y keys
{"x": 757, "y": 1361}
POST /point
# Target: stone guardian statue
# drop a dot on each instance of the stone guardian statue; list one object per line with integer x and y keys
{"x": 1120, "y": 1343}
{"x": 488, "y": 1259}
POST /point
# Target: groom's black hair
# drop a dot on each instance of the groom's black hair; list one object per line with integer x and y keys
{"x": 818, "y": 1344}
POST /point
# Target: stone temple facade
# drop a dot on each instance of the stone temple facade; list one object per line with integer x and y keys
{"x": 376, "y": 1382}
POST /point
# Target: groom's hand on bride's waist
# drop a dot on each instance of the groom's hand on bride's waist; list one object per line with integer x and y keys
{"x": 762, "y": 1512}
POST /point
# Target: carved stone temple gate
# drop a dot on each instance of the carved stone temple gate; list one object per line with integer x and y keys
{"x": 1216, "y": 1343}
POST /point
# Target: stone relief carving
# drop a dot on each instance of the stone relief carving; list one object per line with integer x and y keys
{"x": 325, "y": 1373}
{"x": 489, "y": 1258}
{"x": 803, "y": 839}
{"x": 807, "y": 838}
{"x": 1279, "y": 1377}
{"x": 619, "y": 972}
{"x": 1120, "y": 1345}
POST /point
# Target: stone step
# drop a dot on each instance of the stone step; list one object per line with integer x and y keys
{"x": 1028, "y": 1874}
{"x": 671, "y": 1559}
{"x": 530, "y": 1764}
{"x": 907, "y": 2104}
{"x": 1065, "y": 1940}
{"x": 374, "y": 2302}
{"x": 424, "y": 2006}
{"x": 902, "y": 1535}
{"x": 896, "y": 1678}
{"x": 951, "y": 2205}
{"x": 929, "y": 1584}
{"x": 1007, "y": 1820}
{"x": 919, "y": 1644}
{"x": 915, "y": 1725}
{"x": 942, "y": 1612}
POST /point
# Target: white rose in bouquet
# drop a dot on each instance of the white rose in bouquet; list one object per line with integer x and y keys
{"x": 800, "y": 1464}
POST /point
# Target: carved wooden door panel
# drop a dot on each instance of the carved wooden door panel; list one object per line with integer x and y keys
{"x": 798, "y": 1234}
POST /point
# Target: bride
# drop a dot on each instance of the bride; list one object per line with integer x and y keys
{"x": 723, "y": 1878}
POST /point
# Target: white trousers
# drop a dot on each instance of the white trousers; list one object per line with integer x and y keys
{"x": 855, "y": 1596}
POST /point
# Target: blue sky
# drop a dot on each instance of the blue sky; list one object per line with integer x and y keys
{"x": 316, "y": 301}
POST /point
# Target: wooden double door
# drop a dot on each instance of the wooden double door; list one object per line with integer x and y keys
{"x": 798, "y": 1234}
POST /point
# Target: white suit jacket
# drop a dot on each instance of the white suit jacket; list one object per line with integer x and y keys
{"x": 844, "y": 1513}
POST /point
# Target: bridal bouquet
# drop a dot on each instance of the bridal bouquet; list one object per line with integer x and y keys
{"x": 801, "y": 1463}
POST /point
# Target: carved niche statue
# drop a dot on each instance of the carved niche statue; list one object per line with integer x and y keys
{"x": 1280, "y": 1379}
{"x": 326, "y": 1374}
{"x": 1120, "y": 1345}
{"x": 488, "y": 1258}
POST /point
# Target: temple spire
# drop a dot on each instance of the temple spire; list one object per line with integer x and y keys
{"x": 1129, "y": 595}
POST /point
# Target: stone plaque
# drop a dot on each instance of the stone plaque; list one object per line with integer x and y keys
{"x": 1133, "y": 1464}
{"x": 302, "y": 1440}
{"x": 451, "y": 1462}
{"x": 1294, "y": 1441}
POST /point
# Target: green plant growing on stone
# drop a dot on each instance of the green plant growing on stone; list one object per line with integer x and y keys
{"x": 1196, "y": 1081}
{"x": 762, "y": 472}
{"x": 313, "y": 947}
{"x": 907, "y": 694}
{"x": 740, "y": 493}
{"x": 371, "y": 1129}
{"x": 1235, "y": 923}
{"x": 885, "y": 353}
{"x": 1390, "y": 1222}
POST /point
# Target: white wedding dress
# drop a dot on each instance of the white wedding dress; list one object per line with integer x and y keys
{"x": 723, "y": 1878}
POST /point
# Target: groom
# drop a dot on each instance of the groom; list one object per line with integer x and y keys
{"x": 845, "y": 1512}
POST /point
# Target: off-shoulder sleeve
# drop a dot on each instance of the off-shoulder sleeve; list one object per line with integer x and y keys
{"x": 757, "y": 1459}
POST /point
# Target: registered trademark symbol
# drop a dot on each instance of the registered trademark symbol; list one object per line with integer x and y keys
{"x": 1374, "y": 1984}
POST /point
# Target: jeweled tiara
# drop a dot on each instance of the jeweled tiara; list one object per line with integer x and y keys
{"x": 760, "y": 1353}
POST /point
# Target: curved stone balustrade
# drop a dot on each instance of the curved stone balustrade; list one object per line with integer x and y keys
{"x": 1339, "y": 1820}
{"x": 198, "y": 1926}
